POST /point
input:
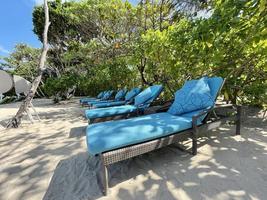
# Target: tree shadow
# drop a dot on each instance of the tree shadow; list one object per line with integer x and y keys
{"x": 29, "y": 153}
{"x": 226, "y": 167}
{"x": 77, "y": 132}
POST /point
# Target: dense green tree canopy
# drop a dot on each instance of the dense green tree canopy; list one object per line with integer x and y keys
{"x": 23, "y": 60}
{"x": 109, "y": 44}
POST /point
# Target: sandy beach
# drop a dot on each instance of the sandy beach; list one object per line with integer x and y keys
{"x": 49, "y": 160}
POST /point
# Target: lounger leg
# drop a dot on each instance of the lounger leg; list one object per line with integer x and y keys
{"x": 105, "y": 179}
{"x": 194, "y": 137}
{"x": 238, "y": 120}
{"x": 194, "y": 145}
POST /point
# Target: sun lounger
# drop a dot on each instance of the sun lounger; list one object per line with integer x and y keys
{"x": 129, "y": 98}
{"x": 118, "y": 97}
{"x": 106, "y": 96}
{"x": 99, "y": 96}
{"x": 141, "y": 102}
{"x": 115, "y": 141}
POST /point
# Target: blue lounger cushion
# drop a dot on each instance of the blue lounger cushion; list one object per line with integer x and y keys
{"x": 98, "y": 101}
{"x": 116, "y": 134}
{"x": 215, "y": 84}
{"x": 109, "y": 104}
{"x": 110, "y": 111}
{"x": 118, "y": 97}
{"x": 105, "y": 97}
{"x": 92, "y": 102}
{"x": 88, "y": 99}
{"x": 132, "y": 93}
{"x": 144, "y": 98}
{"x": 143, "y": 102}
{"x": 85, "y": 100}
{"x": 99, "y": 96}
{"x": 194, "y": 95}
{"x": 128, "y": 98}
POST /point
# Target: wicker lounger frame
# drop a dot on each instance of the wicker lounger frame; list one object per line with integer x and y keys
{"x": 209, "y": 123}
{"x": 138, "y": 112}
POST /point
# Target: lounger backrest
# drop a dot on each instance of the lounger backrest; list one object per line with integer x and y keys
{"x": 107, "y": 95}
{"x": 100, "y": 95}
{"x": 145, "y": 98}
{"x": 120, "y": 94}
{"x": 131, "y": 94}
{"x": 104, "y": 93}
{"x": 215, "y": 84}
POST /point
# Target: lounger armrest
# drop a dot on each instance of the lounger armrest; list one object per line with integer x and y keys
{"x": 129, "y": 102}
{"x": 165, "y": 106}
{"x": 196, "y": 117}
{"x": 227, "y": 109}
{"x": 141, "y": 105}
{"x": 223, "y": 106}
{"x": 237, "y": 108}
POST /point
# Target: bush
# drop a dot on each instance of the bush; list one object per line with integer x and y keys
{"x": 59, "y": 88}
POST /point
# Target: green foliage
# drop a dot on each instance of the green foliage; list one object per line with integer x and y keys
{"x": 231, "y": 43}
{"x": 100, "y": 45}
{"x": 61, "y": 26}
{"x": 24, "y": 61}
{"x": 108, "y": 76}
{"x": 58, "y": 87}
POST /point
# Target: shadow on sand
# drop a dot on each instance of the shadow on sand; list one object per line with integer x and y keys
{"x": 77, "y": 132}
{"x": 226, "y": 167}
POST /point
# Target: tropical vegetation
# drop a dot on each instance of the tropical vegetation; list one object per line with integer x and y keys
{"x": 110, "y": 44}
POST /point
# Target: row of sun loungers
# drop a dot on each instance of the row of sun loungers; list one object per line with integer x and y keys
{"x": 193, "y": 112}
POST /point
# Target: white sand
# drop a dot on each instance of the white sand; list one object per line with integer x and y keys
{"x": 49, "y": 160}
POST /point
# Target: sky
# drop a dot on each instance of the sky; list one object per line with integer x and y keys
{"x": 16, "y": 24}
